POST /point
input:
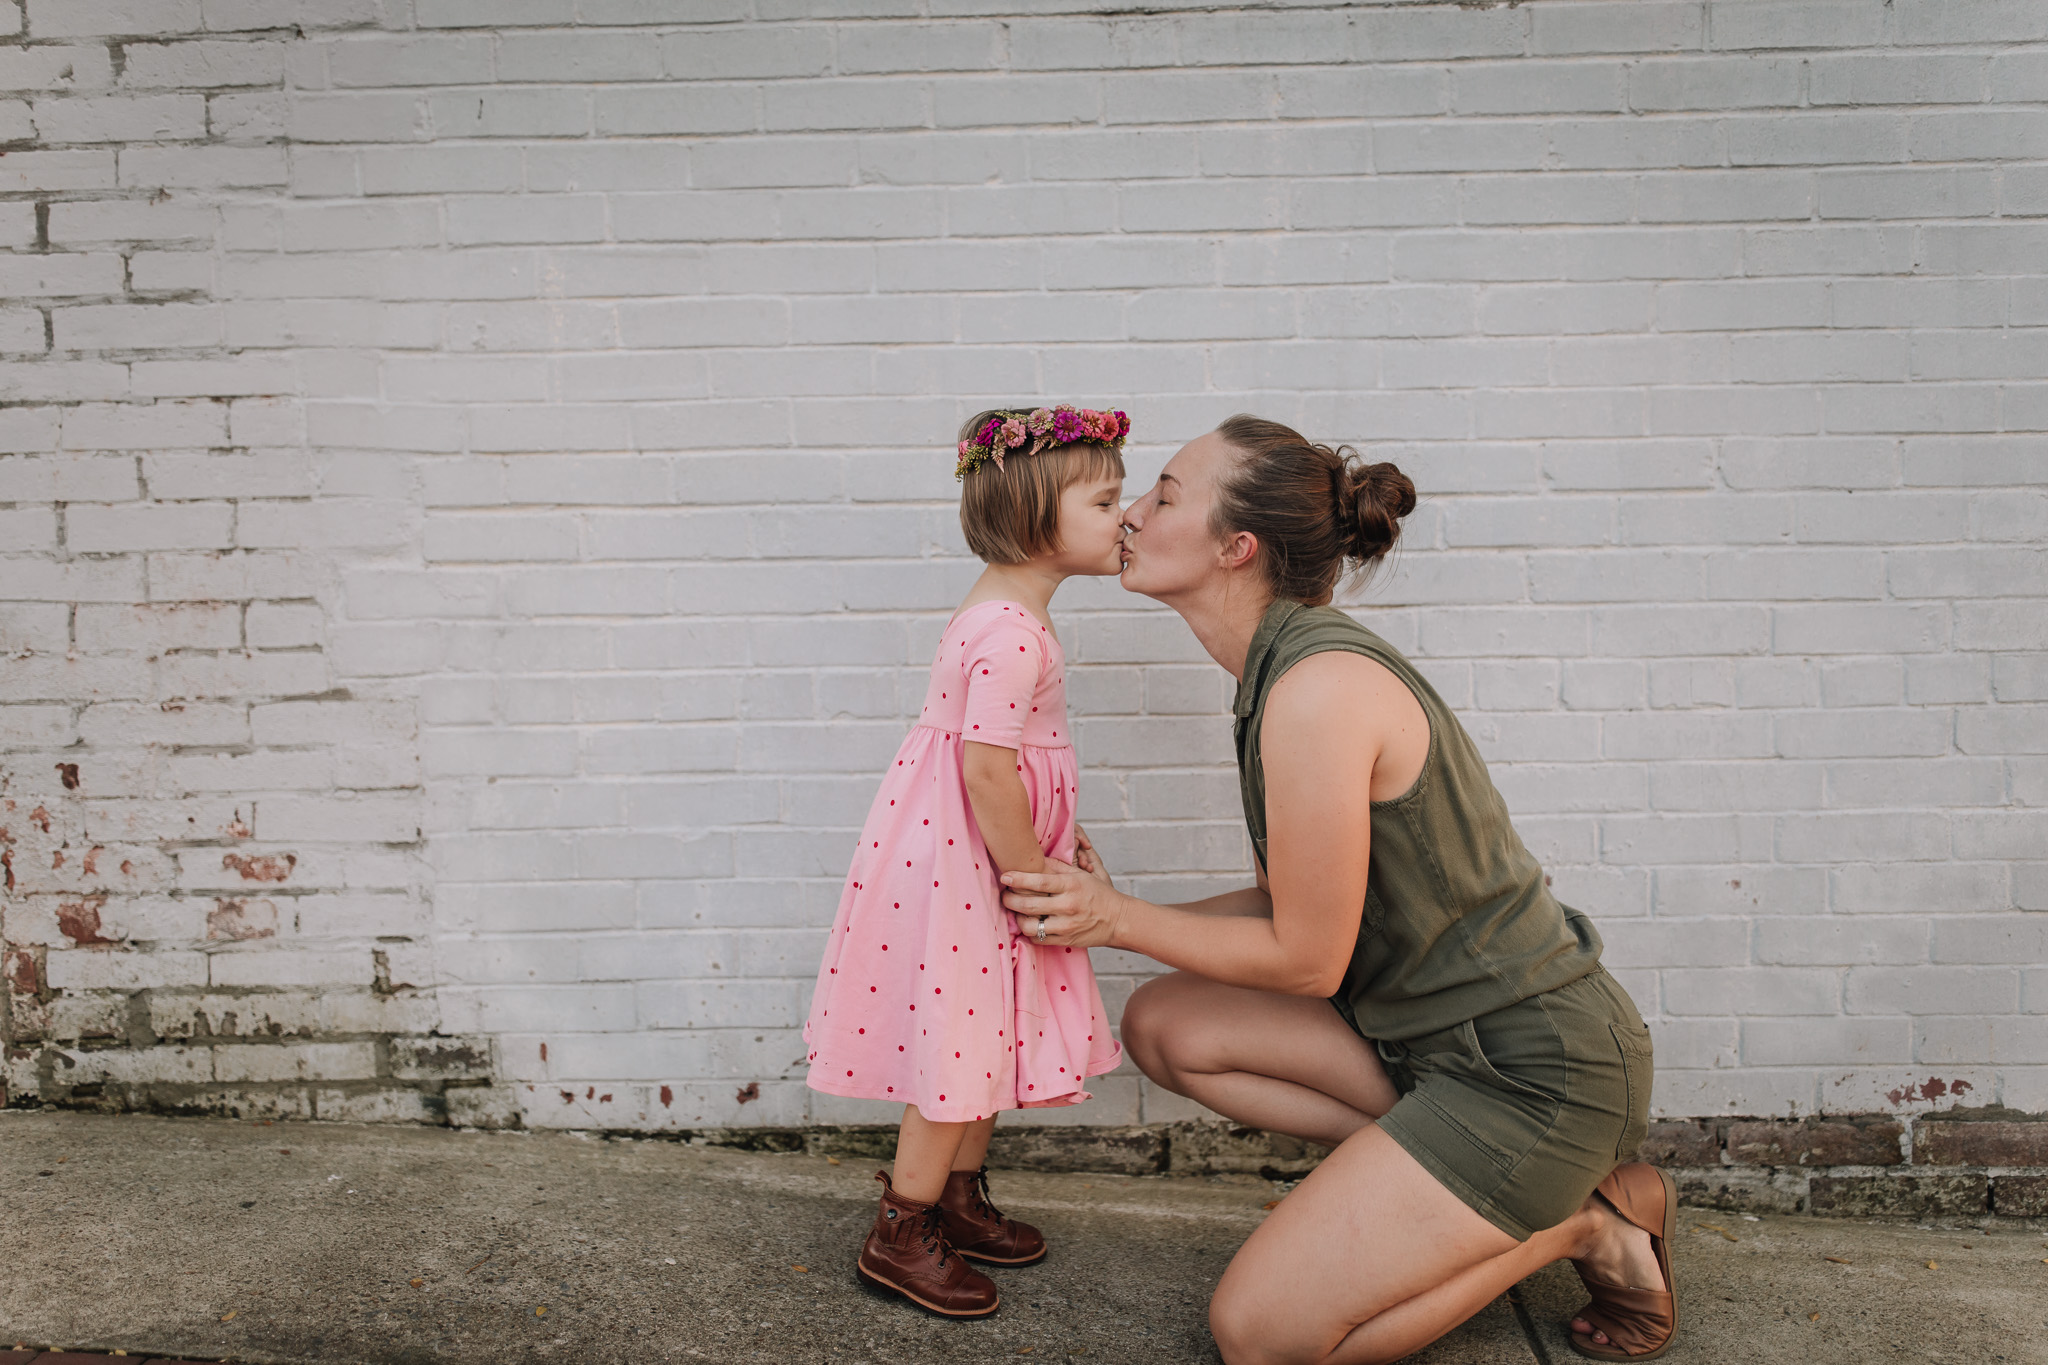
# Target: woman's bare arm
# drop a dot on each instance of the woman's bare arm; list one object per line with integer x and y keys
{"x": 1324, "y": 729}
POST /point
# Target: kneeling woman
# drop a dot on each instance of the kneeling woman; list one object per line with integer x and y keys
{"x": 1481, "y": 1077}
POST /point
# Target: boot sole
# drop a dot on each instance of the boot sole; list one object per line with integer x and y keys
{"x": 877, "y": 1282}
{"x": 994, "y": 1260}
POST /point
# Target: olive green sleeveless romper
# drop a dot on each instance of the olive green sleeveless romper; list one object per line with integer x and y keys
{"x": 1523, "y": 1067}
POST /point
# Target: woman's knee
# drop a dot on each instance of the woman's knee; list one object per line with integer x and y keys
{"x": 1148, "y": 1026}
{"x": 1244, "y": 1330}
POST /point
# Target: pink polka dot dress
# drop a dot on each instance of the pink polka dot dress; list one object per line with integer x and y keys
{"x": 928, "y": 994}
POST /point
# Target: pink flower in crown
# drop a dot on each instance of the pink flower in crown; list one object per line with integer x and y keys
{"x": 1123, "y": 422}
{"x": 1013, "y": 432}
{"x": 1066, "y": 425}
{"x": 1039, "y": 422}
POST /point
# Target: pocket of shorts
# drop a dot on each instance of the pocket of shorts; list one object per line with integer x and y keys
{"x": 1501, "y": 1078}
{"x": 1637, "y": 1070}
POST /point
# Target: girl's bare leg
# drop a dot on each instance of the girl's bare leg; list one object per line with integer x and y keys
{"x": 925, "y": 1152}
{"x": 974, "y": 1144}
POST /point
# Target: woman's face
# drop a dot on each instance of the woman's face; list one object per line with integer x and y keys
{"x": 1168, "y": 547}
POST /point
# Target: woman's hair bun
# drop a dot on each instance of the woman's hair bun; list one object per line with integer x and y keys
{"x": 1311, "y": 506}
{"x": 1374, "y": 499}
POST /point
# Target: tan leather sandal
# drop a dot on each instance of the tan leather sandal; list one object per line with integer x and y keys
{"x": 1640, "y": 1324}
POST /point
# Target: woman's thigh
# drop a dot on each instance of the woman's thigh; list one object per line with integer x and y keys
{"x": 1368, "y": 1229}
{"x": 1180, "y": 1024}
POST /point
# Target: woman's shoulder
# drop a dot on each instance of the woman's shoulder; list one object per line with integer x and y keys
{"x": 1311, "y": 631}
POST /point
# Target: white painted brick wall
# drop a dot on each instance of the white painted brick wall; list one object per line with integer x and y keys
{"x": 474, "y": 501}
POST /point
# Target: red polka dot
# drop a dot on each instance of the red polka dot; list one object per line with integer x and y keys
{"x": 885, "y": 948}
{"x": 984, "y": 674}
{"x": 971, "y": 1012}
{"x": 1028, "y": 1087}
{"x": 935, "y": 990}
{"x": 956, "y": 1055}
{"x": 892, "y": 1089}
{"x": 863, "y": 1030}
{"x": 1063, "y": 988}
{"x": 984, "y": 971}
{"x": 899, "y": 1047}
{"x": 850, "y": 1073}
{"x": 871, "y": 990}
{"x": 1020, "y": 650}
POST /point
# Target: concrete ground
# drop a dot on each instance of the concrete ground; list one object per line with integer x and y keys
{"x": 216, "y": 1239}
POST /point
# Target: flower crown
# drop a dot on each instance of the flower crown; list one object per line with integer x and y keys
{"x": 1043, "y": 428}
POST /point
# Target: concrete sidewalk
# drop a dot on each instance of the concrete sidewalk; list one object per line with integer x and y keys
{"x": 219, "y": 1239}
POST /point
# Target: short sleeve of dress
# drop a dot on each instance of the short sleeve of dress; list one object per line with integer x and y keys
{"x": 1001, "y": 662}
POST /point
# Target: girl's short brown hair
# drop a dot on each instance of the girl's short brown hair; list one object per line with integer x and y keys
{"x": 1011, "y": 512}
{"x": 1312, "y": 507}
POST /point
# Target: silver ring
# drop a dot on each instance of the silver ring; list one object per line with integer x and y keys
{"x": 1040, "y": 935}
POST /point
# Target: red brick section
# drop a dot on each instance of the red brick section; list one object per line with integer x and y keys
{"x": 1980, "y": 1142}
{"x": 1815, "y": 1142}
{"x": 1685, "y": 1142}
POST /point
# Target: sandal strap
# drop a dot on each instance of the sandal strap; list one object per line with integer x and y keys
{"x": 1630, "y": 1321}
{"x": 1636, "y": 1191}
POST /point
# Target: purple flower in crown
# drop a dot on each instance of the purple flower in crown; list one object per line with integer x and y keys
{"x": 1066, "y": 425}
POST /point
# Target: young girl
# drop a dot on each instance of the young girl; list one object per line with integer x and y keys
{"x": 927, "y": 994}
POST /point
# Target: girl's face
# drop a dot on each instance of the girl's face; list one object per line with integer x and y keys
{"x": 1091, "y": 527}
{"x": 1168, "y": 549}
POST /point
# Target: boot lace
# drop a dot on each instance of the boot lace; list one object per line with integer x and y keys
{"x": 933, "y": 1233}
{"x": 986, "y": 1205}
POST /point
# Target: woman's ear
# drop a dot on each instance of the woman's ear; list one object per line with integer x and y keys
{"x": 1238, "y": 549}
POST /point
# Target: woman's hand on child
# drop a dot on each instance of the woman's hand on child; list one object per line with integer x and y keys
{"x": 1078, "y": 909}
{"x": 1086, "y": 857}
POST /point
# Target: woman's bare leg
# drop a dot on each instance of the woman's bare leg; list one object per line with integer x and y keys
{"x": 1371, "y": 1259}
{"x": 1424, "y": 1261}
{"x": 1281, "y": 1062}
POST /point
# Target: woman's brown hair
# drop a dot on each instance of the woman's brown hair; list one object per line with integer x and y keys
{"x": 1011, "y": 512}
{"x": 1310, "y": 506}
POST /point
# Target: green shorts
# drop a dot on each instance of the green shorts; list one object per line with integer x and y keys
{"x": 1520, "y": 1113}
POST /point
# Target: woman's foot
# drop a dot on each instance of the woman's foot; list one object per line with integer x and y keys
{"x": 907, "y": 1253}
{"x": 977, "y": 1228}
{"x": 1618, "y": 1260}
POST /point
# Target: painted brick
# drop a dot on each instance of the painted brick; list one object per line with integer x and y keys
{"x": 1726, "y": 551}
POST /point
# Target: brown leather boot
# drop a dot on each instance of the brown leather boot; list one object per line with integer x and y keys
{"x": 907, "y": 1253}
{"x": 978, "y": 1229}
